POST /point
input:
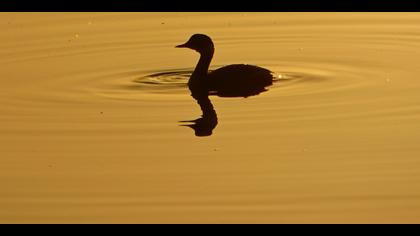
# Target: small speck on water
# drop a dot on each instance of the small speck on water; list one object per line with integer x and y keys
{"x": 162, "y": 23}
{"x": 76, "y": 36}
{"x": 280, "y": 76}
{"x": 90, "y": 22}
{"x": 101, "y": 113}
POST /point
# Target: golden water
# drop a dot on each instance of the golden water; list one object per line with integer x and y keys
{"x": 88, "y": 134}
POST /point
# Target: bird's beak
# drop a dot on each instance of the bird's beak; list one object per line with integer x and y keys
{"x": 182, "y": 45}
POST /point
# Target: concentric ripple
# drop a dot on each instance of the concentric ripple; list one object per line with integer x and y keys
{"x": 175, "y": 81}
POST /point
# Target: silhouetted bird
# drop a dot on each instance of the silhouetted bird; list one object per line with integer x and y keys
{"x": 236, "y": 80}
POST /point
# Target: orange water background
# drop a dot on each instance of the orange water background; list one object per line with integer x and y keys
{"x": 87, "y": 136}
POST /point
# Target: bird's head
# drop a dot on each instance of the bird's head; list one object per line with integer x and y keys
{"x": 200, "y": 43}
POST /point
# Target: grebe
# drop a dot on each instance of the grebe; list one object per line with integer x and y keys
{"x": 238, "y": 80}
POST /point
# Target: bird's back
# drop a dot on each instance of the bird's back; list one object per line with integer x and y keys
{"x": 238, "y": 80}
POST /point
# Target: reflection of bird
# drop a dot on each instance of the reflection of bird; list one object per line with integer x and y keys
{"x": 204, "y": 126}
{"x": 237, "y": 80}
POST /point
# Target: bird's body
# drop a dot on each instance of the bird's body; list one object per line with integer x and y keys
{"x": 238, "y": 80}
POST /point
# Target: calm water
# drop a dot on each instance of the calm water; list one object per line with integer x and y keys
{"x": 91, "y": 104}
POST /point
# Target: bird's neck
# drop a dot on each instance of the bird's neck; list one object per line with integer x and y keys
{"x": 203, "y": 64}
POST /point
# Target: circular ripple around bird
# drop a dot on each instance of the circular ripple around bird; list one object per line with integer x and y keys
{"x": 167, "y": 80}
{"x": 178, "y": 79}
{"x": 288, "y": 81}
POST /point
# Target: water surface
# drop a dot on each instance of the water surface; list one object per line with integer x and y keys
{"x": 91, "y": 104}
